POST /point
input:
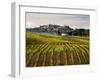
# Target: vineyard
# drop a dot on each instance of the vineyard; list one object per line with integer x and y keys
{"x": 43, "y": 49}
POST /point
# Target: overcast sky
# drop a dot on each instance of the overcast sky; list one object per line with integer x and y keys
{"x": 74, "y": 21}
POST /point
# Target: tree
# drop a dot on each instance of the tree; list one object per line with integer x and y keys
{"x": 59, "y": 33}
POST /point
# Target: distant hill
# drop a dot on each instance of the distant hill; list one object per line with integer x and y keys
{"x": 52, "y": 28}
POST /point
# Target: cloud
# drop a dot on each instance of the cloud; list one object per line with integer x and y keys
{"x": 73, "y": 20}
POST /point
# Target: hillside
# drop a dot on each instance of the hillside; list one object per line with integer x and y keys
{"x": 44, "y": 49}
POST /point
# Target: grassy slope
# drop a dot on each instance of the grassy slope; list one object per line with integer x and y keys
{"x": 50, "y": 38}
{"x": 77, "y": 48}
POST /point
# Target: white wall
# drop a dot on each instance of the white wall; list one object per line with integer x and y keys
{"x": 5, "y": 35}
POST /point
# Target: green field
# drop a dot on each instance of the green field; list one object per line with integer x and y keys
{"x": 43, "y": 49}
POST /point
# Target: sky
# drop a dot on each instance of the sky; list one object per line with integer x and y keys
{"x": 73, "y": 20}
